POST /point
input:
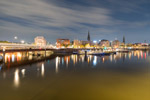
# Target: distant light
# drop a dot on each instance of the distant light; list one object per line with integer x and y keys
{"x": 4, "y": 49}
{"x": 94, "y": 41}
{"x": 105, "y": 48}
{"x": 15, "y": 37}
{"x": 22, "y": 41}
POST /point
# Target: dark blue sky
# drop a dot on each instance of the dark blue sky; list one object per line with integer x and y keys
{"x": 105, "y": 19}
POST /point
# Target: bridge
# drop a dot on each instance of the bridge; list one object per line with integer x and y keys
{"x": 14, "y": 47}
{"x": 6, "y": 50}
{"x": 22, "y": 46}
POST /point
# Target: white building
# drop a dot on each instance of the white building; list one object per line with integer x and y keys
{"x": 40, "y": 41}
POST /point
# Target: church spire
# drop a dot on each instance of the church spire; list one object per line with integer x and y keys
{"x": 88, "y": 38}
{"x": 124, "y": 39}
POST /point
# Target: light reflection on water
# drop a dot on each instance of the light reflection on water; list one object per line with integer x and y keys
{"x": 57, "y": 63}
{"x": 16, "y": 78}
{"x": 42, "y": 70}
{"x": 23, "y": 72}
{"x": 93, "y": 73}
{"x": 69, "y": 60}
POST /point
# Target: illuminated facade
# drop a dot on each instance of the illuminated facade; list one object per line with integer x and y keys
{"x": 77, "y": 44}
{"x": 62, "y": 43}
{"x": 85, "y": 42}
{"x": 115, "y": 44}
{"x": 40, "y": 41}
{"x": 104, "y": 43}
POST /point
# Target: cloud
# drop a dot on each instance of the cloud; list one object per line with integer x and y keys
{"x": 62, "y": 19}
{"x": 40, "y": 12}
{"x": 37, "y": 14}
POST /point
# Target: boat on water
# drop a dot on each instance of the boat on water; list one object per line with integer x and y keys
{"x": 124, "y": 51}
{"x": 103, "y": 53}
{"x": 92, "y": 52}
{"x": 80, "y": 52}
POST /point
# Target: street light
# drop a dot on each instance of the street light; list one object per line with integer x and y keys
{"x": 22, "y": 41}
{"x": 15, "y": 37}
{"x": 94, "y": 41}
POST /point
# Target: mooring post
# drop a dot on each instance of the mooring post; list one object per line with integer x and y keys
{"x": 85, "y": 53}
{"x": 85, "y": 57}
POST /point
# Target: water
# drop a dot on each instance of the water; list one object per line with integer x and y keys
{"x": 124, "y": 76}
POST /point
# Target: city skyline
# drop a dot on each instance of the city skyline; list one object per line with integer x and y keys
{"x": 105, "y": 19}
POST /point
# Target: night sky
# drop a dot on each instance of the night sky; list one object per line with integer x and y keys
{"x": 105, "y": 19}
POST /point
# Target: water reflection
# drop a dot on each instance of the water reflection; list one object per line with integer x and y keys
{"x": 111, "y": 58}
{"x": 57, "y": 64}
{"x": 95, "y": 60}
{"x": 132, "y": 74}
{"x": 67, "y": 61}
{"x": 13, "y": 58}
{"x": 42, "y": 70}
{"x": 23, "y": 72}
{"x": 16, "y": 78}
{"x": 117, "y": 70}
{"x": 103, "y": 59}
{"x": 145, "y": 55}
{"x": 4, "y": 75}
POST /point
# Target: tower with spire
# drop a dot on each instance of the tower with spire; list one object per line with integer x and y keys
{"x": 124, "y": 39}
{"x": 88, "y": 38}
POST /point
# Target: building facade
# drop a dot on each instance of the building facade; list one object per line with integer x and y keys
{"x": 104, "y": 43}
{"x": 77, "y": 44}
{"x": 62, "y": 43}
{"x": 115, "y": 44}
{"x": 40, "y": 41}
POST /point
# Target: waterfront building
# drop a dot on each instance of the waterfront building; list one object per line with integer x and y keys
{"x": 85, "y": 42}
{"x": 104, "y": 43}
{"x": 129, "y": 45}
{"x": 62, "y": 43}
{"x": 116, "y": 44}
{"x": 82, "y": 44}
{"x": 40, "y": 41}
{"x": 138, "y": 44}
{"x": 77, "y": 44}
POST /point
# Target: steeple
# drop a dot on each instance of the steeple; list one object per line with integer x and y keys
{"x": 88, "y": 38}
{"x": 124, "y": 39}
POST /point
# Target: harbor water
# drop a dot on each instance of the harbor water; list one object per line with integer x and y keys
{"x": 120, "y": 76}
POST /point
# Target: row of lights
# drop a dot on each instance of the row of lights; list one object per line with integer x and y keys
{"x": 22, "y": 41}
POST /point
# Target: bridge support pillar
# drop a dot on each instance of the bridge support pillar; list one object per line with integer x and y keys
{"x": 85, "y": 53}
